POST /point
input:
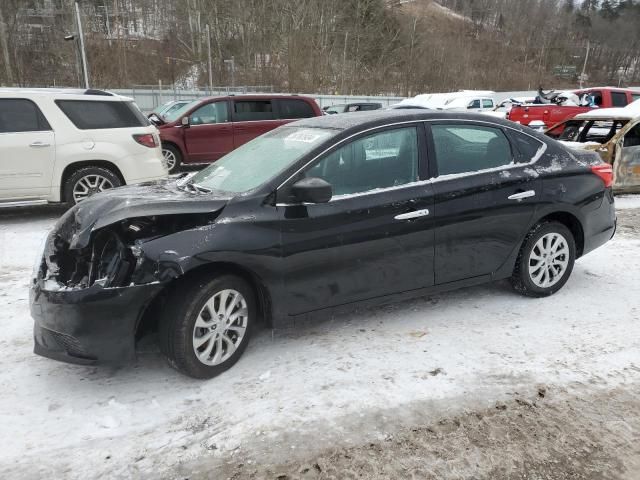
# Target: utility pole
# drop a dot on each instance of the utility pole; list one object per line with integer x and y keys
{"x": 5, "y": 49}
{"x": 584, "y": 66}
{"x": 344, "y": 61}
{"x": 83, "y": 53}
{"x": 232, "y": 64}
{"x": 209, "y": 56}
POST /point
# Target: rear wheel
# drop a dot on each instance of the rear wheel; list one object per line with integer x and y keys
{"x": 207, "y": 324}
{"x": 172, "y": 156}
{"x": 88, "y": 181}
{"x": 545, "y": 260}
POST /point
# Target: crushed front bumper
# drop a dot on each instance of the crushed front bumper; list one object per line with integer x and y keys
{"x": 91, "y": 325}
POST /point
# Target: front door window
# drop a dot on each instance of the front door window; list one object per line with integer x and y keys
{"x": 381, "y": 160}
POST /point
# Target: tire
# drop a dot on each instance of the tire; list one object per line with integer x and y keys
{"x": 172, "y": 156}
{"x": 89, "y": 179}
{"x": 545, "y": 261}
{"x": 188, "y": 309}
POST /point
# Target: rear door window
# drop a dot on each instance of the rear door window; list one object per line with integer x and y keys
{"x": 619, "y": 99}
{"x": 487, "y": 103}
{"x": 469, "y": 148}
{"x": 294, "y": 108}
{"x": 21, "y": 115}
{"x": 93, "y": 115}
{"x": 251, "y": 110}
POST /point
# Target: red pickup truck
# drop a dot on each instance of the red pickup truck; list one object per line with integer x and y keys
{"x": 550, "y": 113}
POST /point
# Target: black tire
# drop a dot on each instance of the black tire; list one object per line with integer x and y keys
{"x": 522, "y": 280}
{"x": 87, "y": 173}
{"x": 178, "y": 323}
{"x": 175, "y": 151}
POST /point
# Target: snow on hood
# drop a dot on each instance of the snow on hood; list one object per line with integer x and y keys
{"x": 142, "y": 200}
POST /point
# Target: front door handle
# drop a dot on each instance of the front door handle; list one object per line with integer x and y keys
{"x": 414, "y": 214}
{"x": 521, "y": 195}
{"x": 39, "y": 144}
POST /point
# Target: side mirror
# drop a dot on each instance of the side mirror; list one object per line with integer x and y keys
{"x": 184, "y": 121}
{"x": 312, "y": 190}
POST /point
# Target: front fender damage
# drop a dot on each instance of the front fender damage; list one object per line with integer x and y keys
{"x": 116, "y": 255}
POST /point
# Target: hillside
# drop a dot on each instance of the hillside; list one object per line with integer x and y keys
{"x": 326, "y": 46}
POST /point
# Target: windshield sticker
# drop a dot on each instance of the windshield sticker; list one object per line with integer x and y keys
{"x": 305, "y": 136}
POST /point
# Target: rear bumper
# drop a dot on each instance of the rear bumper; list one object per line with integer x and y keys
{"x": 600, "y": 224}
{"x": 88, "y": 326}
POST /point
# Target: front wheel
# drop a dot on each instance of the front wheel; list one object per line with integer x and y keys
{"x": 206, "y": 325}
{"x": 545, "y": 260}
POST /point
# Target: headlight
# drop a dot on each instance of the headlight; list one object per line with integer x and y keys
{"x": 39, "y": 257}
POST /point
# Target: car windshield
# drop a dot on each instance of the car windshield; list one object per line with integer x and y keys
{"x": 170, "y": 109}
{"x": 261, "y": 159}
{"x": 176, "y": 114}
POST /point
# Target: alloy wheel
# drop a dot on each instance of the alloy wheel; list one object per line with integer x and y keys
{"x": 220, "y": 327}
{"x": 548, "y": 260}
{"x": 170, "y": 158}
{"x": 90, "y": 184}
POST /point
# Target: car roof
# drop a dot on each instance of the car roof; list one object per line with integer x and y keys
{"x": 608, "y": 114}
{"x": 255, "y": 96}
{"x": 375, "y": 118}
{"x": 66, "y": 93}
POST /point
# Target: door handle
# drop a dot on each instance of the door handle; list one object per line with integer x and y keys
{"x": 414, "y": 214}
{"x": 39, "y": 144}
{"x": 521, "y": 195}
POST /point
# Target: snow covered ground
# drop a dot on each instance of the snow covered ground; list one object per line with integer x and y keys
{"x": 295, "y": 393}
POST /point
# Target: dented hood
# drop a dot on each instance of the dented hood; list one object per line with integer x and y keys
{"x": 143, "y": 200}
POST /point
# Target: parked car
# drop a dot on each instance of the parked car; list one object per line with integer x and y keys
{"x": 614, "y": 133}
{"x": 550, "y": 113}
{"x": 469, "y": 104}
{"x": 352, "y": 107}
{"x": 312, "y": 217}
{"x": 203, "y": 131}
{"x": 157, "y": 115}
{"x": 65, "y": 145}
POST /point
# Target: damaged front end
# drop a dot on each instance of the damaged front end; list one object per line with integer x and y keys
{"x": 100, "y": 270}
{"x": 115, "y": 255}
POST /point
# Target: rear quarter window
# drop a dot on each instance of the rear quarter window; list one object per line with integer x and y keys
{"x": 526, "y": 147}
{"x": 294, "y": 108}
{"x": 93, "y": 115}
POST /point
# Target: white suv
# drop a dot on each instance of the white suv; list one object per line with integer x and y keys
{"x": 64, "y": 145}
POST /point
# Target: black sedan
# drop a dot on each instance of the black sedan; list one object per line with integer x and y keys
{"x": 315, "y": 216}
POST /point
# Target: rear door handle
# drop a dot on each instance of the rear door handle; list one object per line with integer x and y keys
{"x": 521, "y": 195}
{"x": 39, "y": 144}
{"x": 414, "y": 214}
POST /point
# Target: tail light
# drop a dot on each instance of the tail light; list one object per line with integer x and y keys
{"x": 146, "y": 139}
{"x": 605, "y": 172}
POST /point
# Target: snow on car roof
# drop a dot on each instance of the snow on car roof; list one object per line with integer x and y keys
{"x": 609, "y": 113}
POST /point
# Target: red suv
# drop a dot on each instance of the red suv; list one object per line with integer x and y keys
{"x": 204, "y": 130}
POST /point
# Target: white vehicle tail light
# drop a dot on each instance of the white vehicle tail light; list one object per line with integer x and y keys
{"x": 146, "y": 139}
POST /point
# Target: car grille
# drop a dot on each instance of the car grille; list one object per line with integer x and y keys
{"x": 70, "y": 344}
